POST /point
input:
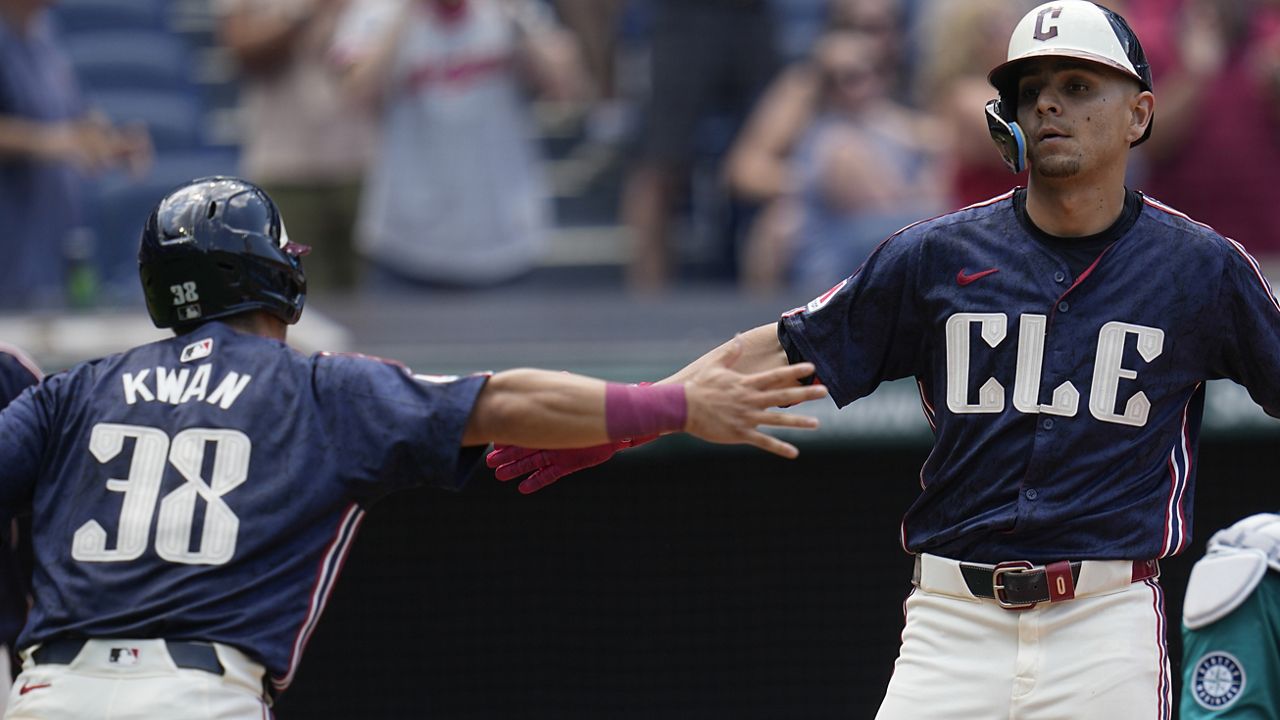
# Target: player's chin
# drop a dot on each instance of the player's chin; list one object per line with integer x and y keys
{"x": 1055, "y": 166}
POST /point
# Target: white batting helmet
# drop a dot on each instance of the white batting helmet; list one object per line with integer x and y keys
{"x": 1063, "y": 28}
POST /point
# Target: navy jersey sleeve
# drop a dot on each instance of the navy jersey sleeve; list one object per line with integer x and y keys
{"x": 1249, "y": 321}
{"x": 17, "y": 373}
{"x": 865, "y": 330}
{"x": 393, "y": 429}
{"x": 24, "y": 427}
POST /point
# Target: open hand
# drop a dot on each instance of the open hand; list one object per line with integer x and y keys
{"x": 725, "y": 406}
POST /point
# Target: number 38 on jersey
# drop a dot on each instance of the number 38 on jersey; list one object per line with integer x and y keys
{"x": 176, "y": 517}
{"x": 1108, "y": 369}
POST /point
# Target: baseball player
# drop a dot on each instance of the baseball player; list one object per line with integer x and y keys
{"x": 193, "y": 499}
{"x": 1060, "y": 336}
{"x": 17, "y": 372}
{"x": 1231, "y": 625}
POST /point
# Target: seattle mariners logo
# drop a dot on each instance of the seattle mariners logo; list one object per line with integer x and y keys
{"x": 1218, "y": 681}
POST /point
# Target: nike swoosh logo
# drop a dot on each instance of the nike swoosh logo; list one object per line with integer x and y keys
{"x": 962, "y": 279}
{"x": 28, "y": 688}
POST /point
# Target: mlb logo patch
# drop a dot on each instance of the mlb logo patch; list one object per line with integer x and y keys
{"x": 197, "y": 350}
{"x": 819, "y": 302}
{"x": 189, "y": 312}
{"x": 125, "y": 657}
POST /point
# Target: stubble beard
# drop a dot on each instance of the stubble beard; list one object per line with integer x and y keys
{"x": 1056, "y": 166}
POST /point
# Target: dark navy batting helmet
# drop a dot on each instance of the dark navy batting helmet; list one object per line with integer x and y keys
{"x": 216, "y": 247}
{"x": 1064, "y": 28}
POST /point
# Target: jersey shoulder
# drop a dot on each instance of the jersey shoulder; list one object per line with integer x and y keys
{"x": 998, "y": 212}
{"x": 1185, "y": 228}
{"x": 16, "y": 363}
{"x": 17, "y": 373}
{"x": 1196, "y": 246}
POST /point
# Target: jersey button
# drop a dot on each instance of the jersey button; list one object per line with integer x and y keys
{"x": 1031, "y": 494}
{"x": 1063, "y": 306}
{"x": 1047, "y": 424}
{"x": 1059, "y": 276}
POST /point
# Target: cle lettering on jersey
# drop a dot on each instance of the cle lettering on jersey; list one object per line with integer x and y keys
{"x": 1107, "y": 374}
{"x": 183, "y": 385}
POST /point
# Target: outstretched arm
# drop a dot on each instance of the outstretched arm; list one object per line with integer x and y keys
{"x": 712, "y": 401}
{"x": 760, "y": 351}
{"x": 756, "y": 350}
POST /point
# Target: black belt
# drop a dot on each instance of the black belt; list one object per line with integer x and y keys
{"x": 1019, "y": 585}
{"x": 188, "y": 655}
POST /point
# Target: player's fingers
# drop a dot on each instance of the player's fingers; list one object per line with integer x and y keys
{"x": 792, "y": 395}
{"x": 539, "y": 480}
{"x": 502, "y": 454}
{"x": 778, "y": 419}
{"x": 523, "y": 466}
{"x": 781, "y": 377}
{"x": 772, "y": 444}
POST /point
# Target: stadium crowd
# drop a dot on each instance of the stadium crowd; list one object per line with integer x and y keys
{"x": 452, "y": 144}
{"x": 638, "y": 147}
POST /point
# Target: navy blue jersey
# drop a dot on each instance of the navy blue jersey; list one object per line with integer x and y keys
{"x": 1065, "y": 406}
{"x": 17, "y": 373}
{"x": 208, "y": 487}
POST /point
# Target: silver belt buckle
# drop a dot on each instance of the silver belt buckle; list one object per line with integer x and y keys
{"x": 997, "y": 588}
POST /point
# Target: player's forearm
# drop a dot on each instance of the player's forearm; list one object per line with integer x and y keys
{"x": 760, "y": 351}
{"x": 546, "y": 409}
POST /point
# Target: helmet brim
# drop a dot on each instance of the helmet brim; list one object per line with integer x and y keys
{"x": 1004, "y": 77}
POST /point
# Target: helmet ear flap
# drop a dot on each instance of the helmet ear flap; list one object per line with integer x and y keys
{"x": 1008, "y": 136}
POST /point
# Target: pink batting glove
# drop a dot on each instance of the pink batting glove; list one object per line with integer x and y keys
{"x": 547, "y": 466}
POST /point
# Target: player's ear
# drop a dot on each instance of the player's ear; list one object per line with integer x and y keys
{"x": 1142, "y": 108}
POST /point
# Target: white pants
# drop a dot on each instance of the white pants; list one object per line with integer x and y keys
{"x": 4, "y": 677}
{"x": 1101, "y": 656}
{"x": 148, "y": 687}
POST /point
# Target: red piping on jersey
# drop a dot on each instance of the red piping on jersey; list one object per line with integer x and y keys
{"x": 1175, "y": 523}
{"x": 1257, "y": 272}
{"x": 821, "y": 299}
{"x": 23, "y": 359}
{"x": 335, "y": 556}
{"x": 991, "y": 201}
{"x": 929, "y": 412}
{"x": 1257, "y": 269}
{"x": 363, "y": 356}
{"x": 1087, "y": 272}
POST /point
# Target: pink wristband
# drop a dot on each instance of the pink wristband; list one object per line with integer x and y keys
{"x": 631, "y": 411}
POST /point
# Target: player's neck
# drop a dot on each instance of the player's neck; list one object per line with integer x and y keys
{"x": 258, "y": 323}
{"x": 1074, "y": 211}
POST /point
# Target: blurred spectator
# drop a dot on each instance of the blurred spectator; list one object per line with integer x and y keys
{"x": 303, "y": 142}
{"x": 841, "y": 165}
{"x": 879, "y": 22}
{"x": 962, "y": 41}
{"x": 455, "y": 196}
{"x": 47, "y": 140}
{"x": 1216, "y": 144}
{"x": 595, "y": 24}
{"x": 709, "y": 58}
